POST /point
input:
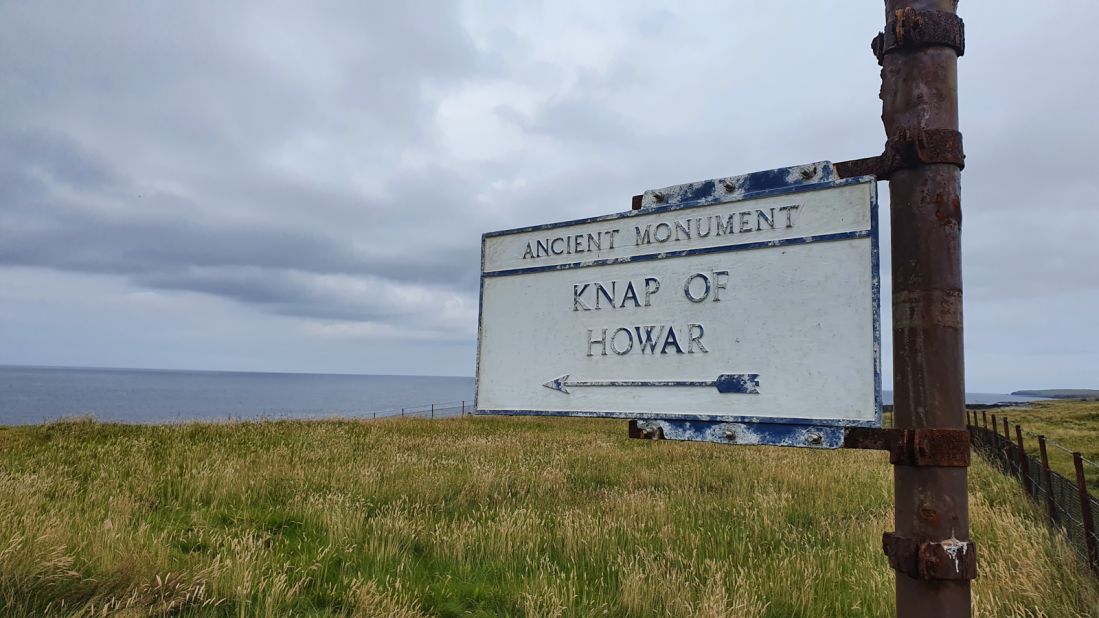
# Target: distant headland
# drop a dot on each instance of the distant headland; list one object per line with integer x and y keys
{"x": 1061, "y": 393}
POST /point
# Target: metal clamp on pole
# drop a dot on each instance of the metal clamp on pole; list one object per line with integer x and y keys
{"x": 911, "y": 29}
{"x": 908, "y": 149}
{"x": 943, "y": 448}
{"x": 949, "y": 559}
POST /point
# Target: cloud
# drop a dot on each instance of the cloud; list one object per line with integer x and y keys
{"x": 253, "y": 167}
{"x": 333, "y": 166}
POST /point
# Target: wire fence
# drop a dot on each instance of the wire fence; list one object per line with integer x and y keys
{"x": 1067, "y": 502}
{"x": 428, "y": 410}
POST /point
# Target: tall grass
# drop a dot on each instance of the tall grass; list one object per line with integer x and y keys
{"x": 474, "y": 516}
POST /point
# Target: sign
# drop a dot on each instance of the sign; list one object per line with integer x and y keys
{"x": 749, "y": 299}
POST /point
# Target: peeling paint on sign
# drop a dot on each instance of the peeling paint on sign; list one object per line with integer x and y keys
{"x": 739, "y": 310}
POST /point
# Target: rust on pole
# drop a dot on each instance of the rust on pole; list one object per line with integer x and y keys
{"x": 1085, "y": 509}
{"x": 1024, "y": 469}
{"x": 919, "y": 95}
{"x": 1051, "y": 506}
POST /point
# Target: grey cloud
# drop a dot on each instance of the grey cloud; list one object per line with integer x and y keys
{"x": 151, "y": 239}
{"x": 299, "y": 160}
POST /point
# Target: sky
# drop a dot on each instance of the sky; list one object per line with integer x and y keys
{"x": 287, "y": 186}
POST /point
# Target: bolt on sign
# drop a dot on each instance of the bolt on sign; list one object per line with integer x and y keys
{"x": 739, "y": 309}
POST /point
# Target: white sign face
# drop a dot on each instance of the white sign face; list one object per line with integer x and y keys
{"x": 751, "y": 307}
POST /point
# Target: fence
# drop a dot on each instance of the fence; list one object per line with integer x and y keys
{"x": 1068, "y": 504}
{"x": 429, "y": 410}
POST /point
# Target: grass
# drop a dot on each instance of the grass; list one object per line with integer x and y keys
{"x": 475, "y": 517}
{"x": 1074, "y": 425}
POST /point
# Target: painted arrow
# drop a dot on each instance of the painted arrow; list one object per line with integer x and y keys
{"x": 747, "y": 383}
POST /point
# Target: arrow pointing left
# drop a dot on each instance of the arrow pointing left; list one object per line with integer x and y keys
{"x": 747, "y": 383}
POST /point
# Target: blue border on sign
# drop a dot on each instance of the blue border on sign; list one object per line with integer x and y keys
{"x": 661, "y": 416}
{"x": 789, "y": 180}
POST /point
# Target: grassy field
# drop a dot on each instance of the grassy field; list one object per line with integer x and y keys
{"x": 1072, "y": 424}
{"x": 475, "y": 516}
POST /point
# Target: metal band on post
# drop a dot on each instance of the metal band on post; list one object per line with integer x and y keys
{"x": 911, "y": 29}
{"x": 949, "y": 559}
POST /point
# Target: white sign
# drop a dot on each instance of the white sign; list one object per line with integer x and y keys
{"x": 719, "y": 302}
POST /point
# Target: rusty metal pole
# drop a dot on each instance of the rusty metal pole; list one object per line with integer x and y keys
{"x": 919, "y": 93}
{"x": 1024, "y": 469}
{"x": 1050, "y": 504}
{"x": 1085, "y": 509}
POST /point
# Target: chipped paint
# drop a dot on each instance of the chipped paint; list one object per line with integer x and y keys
{"x": 754, "y": 434}
{"x": 738, "y": 187}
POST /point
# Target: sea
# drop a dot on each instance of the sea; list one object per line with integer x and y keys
{"x": 30, "y": 395}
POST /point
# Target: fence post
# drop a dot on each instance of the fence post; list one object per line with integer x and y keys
{"x": 402, "y": 411}
{"x": 1085, "y": 509}
{"x": 1006, "y": 450}
{"x": 1052, "y": 506}
{"x": 984, "y": 415}
{"x": 432, "y": 410}
{"x": 463, "y": 408}
{"x": 995, "y": 428}
{"x": 1024, "y": 469}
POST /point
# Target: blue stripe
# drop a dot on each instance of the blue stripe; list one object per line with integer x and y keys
{"x": 667, "y": 416}
{"x": 786, "y": 242}
{"x": 754, "y": 434}
{"x": 875, "y": 299}
{"x": 639, "y": 383}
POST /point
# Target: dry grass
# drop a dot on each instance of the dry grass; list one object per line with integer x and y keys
{"x": 1072, "y": 424}
{"x": 474, "y": 516}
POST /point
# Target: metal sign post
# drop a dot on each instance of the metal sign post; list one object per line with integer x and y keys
{"x": 918, "y": 53}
